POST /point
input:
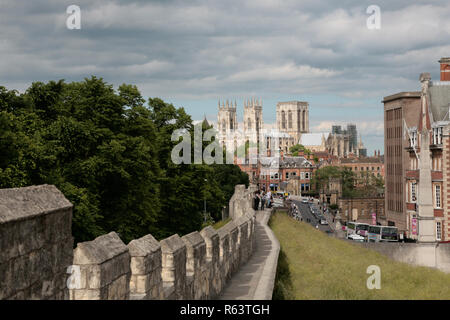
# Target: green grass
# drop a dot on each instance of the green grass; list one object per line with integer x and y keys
{"x": 221, "y": 223}
{"x": 313, "y": 265}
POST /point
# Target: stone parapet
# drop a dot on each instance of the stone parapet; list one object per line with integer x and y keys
{"x": 37, "y": 259}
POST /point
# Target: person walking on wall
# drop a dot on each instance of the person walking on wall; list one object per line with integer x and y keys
{"x": 263, "y": 200}
{"x": 257, "y": 200}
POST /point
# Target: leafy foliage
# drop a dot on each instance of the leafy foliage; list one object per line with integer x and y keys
{"x": 109, "y": 154}
{"x": 353, "y": 186}
{"x": 295, "y": 149}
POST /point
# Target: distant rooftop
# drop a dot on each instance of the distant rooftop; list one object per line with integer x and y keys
{"x": 402, "y": 95}
{"x": 312, "y": 139}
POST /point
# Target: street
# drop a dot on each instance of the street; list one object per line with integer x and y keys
{"x": 306, "y": 213}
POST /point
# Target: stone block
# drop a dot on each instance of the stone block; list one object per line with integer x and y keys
{"x": 99, "y": 250}
{"x": 145, "y": 255}
{"x": 195, "y": 252}
{"x": 119, "y": 288}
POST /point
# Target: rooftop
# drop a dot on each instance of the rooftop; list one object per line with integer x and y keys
{"x": 402, "y": 95}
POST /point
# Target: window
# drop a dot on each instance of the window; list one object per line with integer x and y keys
{"x": 413, "y": 191}
{"x": 275, "y": 175}
{"x": 437, "y": 195}
{"x": 283, "y": 120}
{"x": 413, "y": 139}
{"x": 438, "y": 230}
{"x": 302, "y": 175}
{"x": 290, "y": 119}
{"x": 287, "y": 175}
{"x": 306, "y": 175}
{"x": 437, "y": 135}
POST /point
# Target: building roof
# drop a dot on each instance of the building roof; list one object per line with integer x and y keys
{"x": 402, "y": 95}
{"x": 312, "y": 139}
{"x": 439, "y": 93}
{"x": 278, "y": 162}
{"x": 362, "y": 160}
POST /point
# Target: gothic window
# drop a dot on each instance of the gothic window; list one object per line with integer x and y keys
{"x": 224, "y": 126}
{"x": 290, "y": 119}
{"x": 298, "y": 120}
{"x": 231, "y": 123}
{"x": 304, "y": 120}
{"x": 257, "y": 124}
{"x": 283, "y": 120}
{"x": 249, "y": 124}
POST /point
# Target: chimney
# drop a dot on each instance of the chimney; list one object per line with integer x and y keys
{"x": 445, "y": 69}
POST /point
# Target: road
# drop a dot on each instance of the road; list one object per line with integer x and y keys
{"x": 307, "y": 214}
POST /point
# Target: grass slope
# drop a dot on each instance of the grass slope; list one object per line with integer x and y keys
{"x": 313, "y": 265}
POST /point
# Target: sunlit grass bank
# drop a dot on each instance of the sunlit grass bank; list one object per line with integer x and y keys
{"x": 313, "y": 265}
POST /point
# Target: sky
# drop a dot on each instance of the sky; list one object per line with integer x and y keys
{"x": 193, "y": 53}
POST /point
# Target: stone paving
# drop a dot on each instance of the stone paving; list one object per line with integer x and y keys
{"x": 255, "y": 279}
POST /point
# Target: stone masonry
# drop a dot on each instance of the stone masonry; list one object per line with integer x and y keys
{"x": 35, "y": 243}
{"x": 37, "y": 259}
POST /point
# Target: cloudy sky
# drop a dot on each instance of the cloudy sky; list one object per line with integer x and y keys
{"x": 192, "y": 53}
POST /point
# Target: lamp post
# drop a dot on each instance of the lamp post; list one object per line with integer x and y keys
{"x": 204, "y": 202}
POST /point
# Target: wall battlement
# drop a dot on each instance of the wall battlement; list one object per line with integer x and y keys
{"x": 37, "y": 258}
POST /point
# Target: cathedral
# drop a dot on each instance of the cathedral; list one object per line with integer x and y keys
{"x": 292, "y": 120}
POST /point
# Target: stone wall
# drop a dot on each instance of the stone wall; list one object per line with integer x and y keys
{"x": 37, "y": 259}
{"x": 101, "y": 269}
{"x": 196, "y": 266}
{"x": 434, "y": 255}
{"x": 35, "y": 243}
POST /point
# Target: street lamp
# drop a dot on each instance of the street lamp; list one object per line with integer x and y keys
{"x": 204, "y": 210}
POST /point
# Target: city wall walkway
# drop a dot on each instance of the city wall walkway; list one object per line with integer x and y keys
{"x": 255, "y": 280}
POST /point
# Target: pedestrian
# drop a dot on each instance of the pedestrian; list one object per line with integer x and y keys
{"x": 257, "y": 202}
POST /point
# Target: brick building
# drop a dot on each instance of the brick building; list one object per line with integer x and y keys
{"x": 275, "y": 172}
{"x": 365, "y": 210}
{"x": 363, "y": 166}
{"x": 417, "y": 155}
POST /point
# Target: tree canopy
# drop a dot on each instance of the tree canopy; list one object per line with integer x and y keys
{"x": 109, "y": 153}
{"x": 295, "y": 149}
{"x": 353, "y": 186}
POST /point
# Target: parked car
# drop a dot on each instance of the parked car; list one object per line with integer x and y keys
{"x": 356, "y": 237}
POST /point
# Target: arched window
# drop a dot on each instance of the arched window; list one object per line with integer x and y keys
{"x": 249, "y": 124}
{"x": 304, "y": 121}
{"x": 224, "y": 126}
{"x": 231, "y": 122}
{"x": 283, "y": 120}
{"x": 289, "y": 119}
{"x": 299, "y": 116}
{"x": 257, "y": 124}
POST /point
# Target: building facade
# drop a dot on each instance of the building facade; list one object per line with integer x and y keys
{"x": 293, "y": 118}
{"x": 417, "y": 156}
{"x": 368, "y": 210}
{"x": 401, "y": 111}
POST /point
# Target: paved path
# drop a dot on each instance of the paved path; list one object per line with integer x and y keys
{"x": 255, "y": 279}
